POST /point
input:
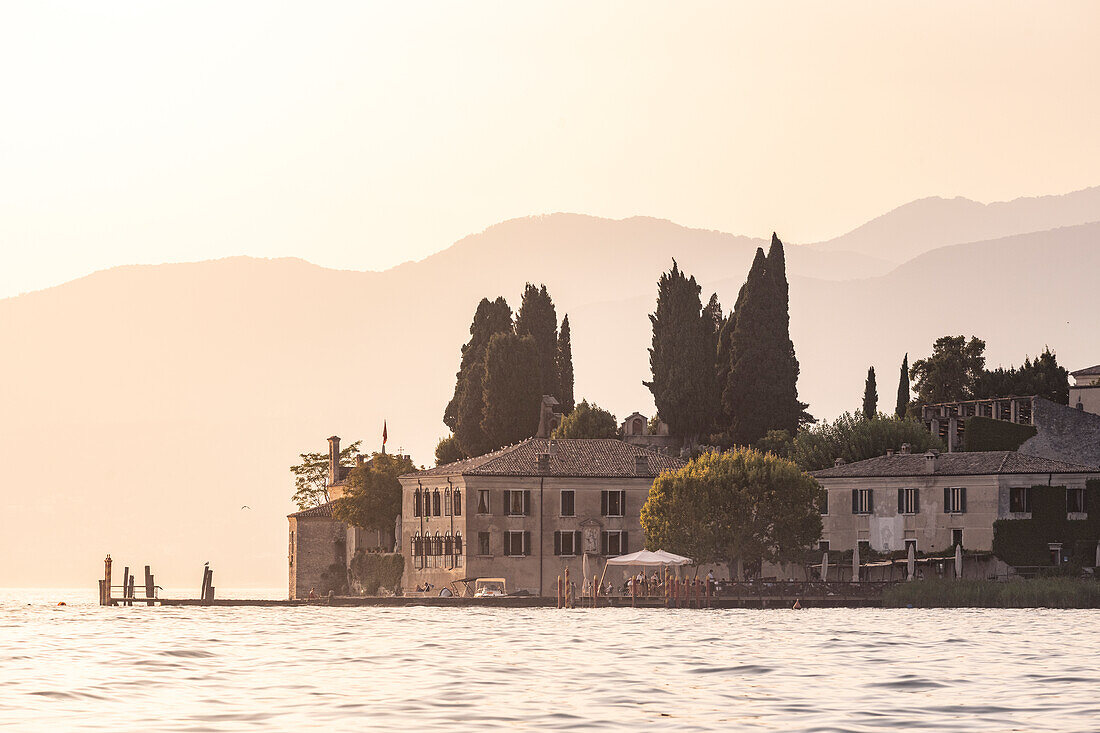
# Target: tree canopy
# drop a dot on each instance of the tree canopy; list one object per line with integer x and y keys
{"x": 870, "y": 395}
{"x": 733, "y": 507}
{"x": 538, "y": 319}
{"x": 588, "y": 421}
{"x": 311, "y": 475}
{"x": 565, "y": 367}
{"x": 1042, "y": 377}
{"x": 682, "y": 357}
{"x": 372, "y": 499}
{"x": 513, "y": 392}
{"x": 447, "y": 450}
{"x": 903, "y": 389}
{"x": 466, "y": 409}
{"x": 949, "y": 374}
{"x": 854, "y": 438}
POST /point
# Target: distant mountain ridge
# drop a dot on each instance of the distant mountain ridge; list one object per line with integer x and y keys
{"x": 928, "y": 223}
{"x": 141, "y": 407}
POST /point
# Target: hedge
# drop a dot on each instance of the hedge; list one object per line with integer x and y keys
{"x": 983, "y": 433}
{"x": 1026, "y": 541}
{"x": 375, "y": 570}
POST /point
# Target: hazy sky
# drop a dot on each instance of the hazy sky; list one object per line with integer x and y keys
{"x": 359, "y": 136}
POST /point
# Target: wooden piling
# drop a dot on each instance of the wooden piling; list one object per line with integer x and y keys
{"x": 148, "y": 586}
{"x": 107, "y": 581}
{"x": 559, "y": 591}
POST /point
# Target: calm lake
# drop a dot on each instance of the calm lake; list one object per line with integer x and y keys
{"x": 82, "y": 667}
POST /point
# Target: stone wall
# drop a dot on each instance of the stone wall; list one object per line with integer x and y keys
{"x": 1065, "y": 434}
{"x": 316, "y": 543}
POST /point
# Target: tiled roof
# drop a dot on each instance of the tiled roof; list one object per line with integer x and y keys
{"x": 978, "y": 463}
{"x": 1092, "y": 371}
{"x": 596, "y": 458}
{"x": 323, "y": 511}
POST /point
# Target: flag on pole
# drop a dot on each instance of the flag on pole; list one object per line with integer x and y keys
{"x": 384, "y": 436}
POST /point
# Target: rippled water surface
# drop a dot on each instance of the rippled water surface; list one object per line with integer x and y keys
{"x": 86, "y": 667}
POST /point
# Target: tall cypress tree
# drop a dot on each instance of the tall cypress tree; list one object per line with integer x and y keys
{"x": 681, "y": 358}
{"x": 536, "y": 318}
{"x": 465, "y": 410}
{"x": 788, "y": 411}
{"x": 565, "y": 367}
{"x": 903, "y": 389}
{"x": 512, "y": 390}
{"x": 870, "y": 395}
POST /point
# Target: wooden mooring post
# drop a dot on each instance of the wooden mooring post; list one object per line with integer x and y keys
{"x": 207, "y": 593}
{"x": 150, "y": 588}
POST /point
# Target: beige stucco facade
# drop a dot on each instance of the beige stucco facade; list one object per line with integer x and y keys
{"x": 885, "y": 529}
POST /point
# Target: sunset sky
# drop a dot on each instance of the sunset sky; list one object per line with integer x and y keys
{"x": 359, "y": 136}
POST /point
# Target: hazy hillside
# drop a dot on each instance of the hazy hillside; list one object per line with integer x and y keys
{"x": 144, "y": 406}
{"x": 919, "y": 226}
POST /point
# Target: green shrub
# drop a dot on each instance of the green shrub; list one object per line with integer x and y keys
{"x": 1025, "y": 542}
{"x": 374, "y": 570}
{"x": 1037, "y": 593}
{"x": 983, "y": 433}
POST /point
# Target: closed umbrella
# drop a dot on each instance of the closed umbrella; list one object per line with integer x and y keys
{"x": 1098, "y": 554}
{"x": 911, "y": 563}
{"x": 958, "y": 561}
{"x": 855, "y": 563}
{"x": 825, "y": 566}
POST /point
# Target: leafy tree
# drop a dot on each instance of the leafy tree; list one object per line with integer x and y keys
{"x": 682, "y": 357}
{"x": 779, "y": 442}
{"x": 513, "y": 391}
{"x": 373, "y": 496}
{"x": 537, "y": 318}
{"x": 588, "y": 421}
{"x": 903, "y": 389}
{"x": 733, "y": 507}
{"x": 447, "y": 450}
{"x": 854, "y": 438}
{"x": 1042, "y": 377}
{"x": 311, "y": 475}
{"x": 950, "y": 373}
{"x": 466, "y": 409}
{"x": 565, "y": 367}
{"x": 870, "y": 395}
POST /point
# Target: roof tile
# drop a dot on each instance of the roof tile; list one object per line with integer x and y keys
{"x": 596, "y": 458}
{"x": 978, "y": 463}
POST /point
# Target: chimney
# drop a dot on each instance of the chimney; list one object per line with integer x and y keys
{"x": 542, "y": 463}
{"x": 906, "y": 448}
{"x": 838, "y": 462}
{"x": 931, "y": 460}
{"x": 641, "y": 465}
{"x": 333, "y": 459}
{"x": 889, "y": 452}
{"x": 548, "y": 418}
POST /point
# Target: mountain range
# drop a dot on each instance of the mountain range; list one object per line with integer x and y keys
{"x": 152, "y": 411}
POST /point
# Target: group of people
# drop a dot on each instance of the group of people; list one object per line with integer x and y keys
{"x": 642, "y": 585}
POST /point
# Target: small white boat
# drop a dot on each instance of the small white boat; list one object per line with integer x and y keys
{"x": 490, "y": 588}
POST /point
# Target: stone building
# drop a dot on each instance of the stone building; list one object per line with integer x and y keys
{"x": 527, "y": 512}
{"x": 1085, "y": 393}
{"x": 937, "y": 500}
{"x": 320, "y": 548}
{"x": 636, "y": 431}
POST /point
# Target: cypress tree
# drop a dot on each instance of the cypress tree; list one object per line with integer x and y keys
{"x": 565, "y": 367}
{"x": 512, "y": 391}
{"x": 465, "y": 410}
{"x": 903, "y": 389}
{"x": 870, "y": 395}
{"x": 536, "y": 318}
{"x": 788, "y": 412}
{"x": 681, "y": 359}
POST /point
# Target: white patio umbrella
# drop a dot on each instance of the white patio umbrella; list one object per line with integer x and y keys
{"x": 1098, "y": 554}
{"x": 824, "y": 566}
{"x": 958, "y": 561}
{"x": 911, "y": 562}
{"x": 855, "y": 563}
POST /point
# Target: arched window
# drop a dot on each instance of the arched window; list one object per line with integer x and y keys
{"x": 448, "y": 544}
{"x": 457, "y": 503}
{"x": 458, "y": 543}
{"x": 438, "y": 549}
{"x": 436, "y": 508}
{"x": 416, "y": 503}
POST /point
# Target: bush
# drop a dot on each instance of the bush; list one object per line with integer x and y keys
{"x": 375, "y": 570}
{"x": 447, "y": 450}
{"x": 1037, "y": 593}
{"x": 983, "y": 433}
{"x": 854, "y": 438}
{"x": 588, "y": 421}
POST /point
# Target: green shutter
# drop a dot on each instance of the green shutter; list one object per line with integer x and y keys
{"x": 526, "y": 503}
{"x": 557, "y": 543}
{"x": 603, "y": 543}
{"x": 901, "y": 500}
{"x": 962, "y": 500}
{"x": 623, "y": 549}
{"x": 526, "y": 543}
{"x": 855, "y": 501}
{"x": 507, "y": 502}
{"x": 603, "y": 505}
{"x": 916, "y": 501}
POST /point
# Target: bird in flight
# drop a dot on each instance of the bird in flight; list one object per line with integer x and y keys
{"x": 245, "y": 506}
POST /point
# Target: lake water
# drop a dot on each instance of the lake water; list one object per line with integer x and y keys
{"x": 82, "y": 667}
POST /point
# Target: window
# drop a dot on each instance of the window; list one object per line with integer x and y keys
{"x": 864, "y": 547}
{"x": 613, "y": 542}
{"x": 910, "y": 542}
{"x": 823, "y": 546}
{"x": 1075, "y": 500}
{"x": 448, "y": 544}
{"x": 823, "y": 504}
{"x": 437, "y": 545}
{"x": 567, "y": 543}
{"x": 568, "y": 502}
{"x": 517, "y": 503}
{"x": 956, "y": 537}
{"x": 612, "y": 504}
{"x": 483, "y": 543}
{"x": 446, "y": 503}
{"x": 458, "y": 543}
{"x": 517, "y": 543}
{"x": 457, "y": 504}
{"x": 862, "y": 501}
{"x": 416, "y": 503}
{"x": 954, "y": 499}
{"x": 291, "y": 547}
{"x": 483, "y": 502}
{"x": 436, "y": 504}
{"x": 1055, "y": 553}
{"x": 1019, "y": 499}
{"x": 908, "y": 501}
